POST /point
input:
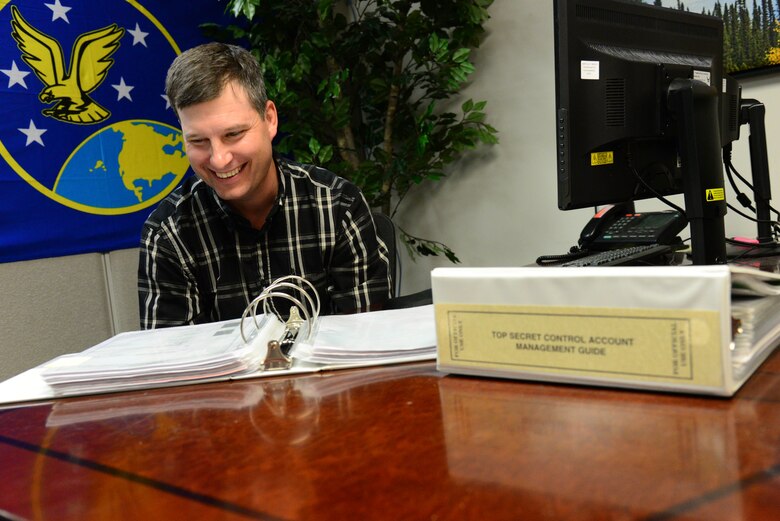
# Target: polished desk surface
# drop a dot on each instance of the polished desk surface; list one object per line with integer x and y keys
{"x": 396, "y": 442}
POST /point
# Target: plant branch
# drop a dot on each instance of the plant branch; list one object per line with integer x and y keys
{"x": 426, "y": 247}
{"x": 345, "y": 138}
{"x": 387, "y": 144}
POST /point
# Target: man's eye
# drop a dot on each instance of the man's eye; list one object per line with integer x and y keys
{"x": 233, "y": 135}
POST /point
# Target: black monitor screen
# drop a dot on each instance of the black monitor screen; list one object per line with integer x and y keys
{"x": 615, "y": 61}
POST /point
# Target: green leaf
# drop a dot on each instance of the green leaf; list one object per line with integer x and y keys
{"x": 422, "y": 142}
{"x": 319, "y": 40}
{"x": 325, "y": 154}
{"x": 324, "y": 9}
{"x": 451, "y": 256}
{"x": 488, "y": 137}
{"x": 461, "y": 55}
{"x": 244, "y": 7}
{"x": 475, "y": 116}
{"x": 466, "y": 67}
{"x": 314, "y": 146}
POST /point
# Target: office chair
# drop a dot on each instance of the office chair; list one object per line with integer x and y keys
{"x": 385, "y": 229}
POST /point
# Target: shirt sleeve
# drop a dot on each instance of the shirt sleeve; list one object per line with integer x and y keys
{"x": 167, "y": 293}
{"x": 360, "y": 266}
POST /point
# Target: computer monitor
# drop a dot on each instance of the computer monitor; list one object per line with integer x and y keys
{"x": 638, "y": 111}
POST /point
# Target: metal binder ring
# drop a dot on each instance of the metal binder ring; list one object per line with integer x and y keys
{"x": 269, "y": 296}
{"x": 300, "y": 279}
{"x": 276, "y": 285}
{"x": 264, "y": 297}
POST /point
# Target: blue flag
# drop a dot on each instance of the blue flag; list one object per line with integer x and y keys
{"x": 88, "y": 141}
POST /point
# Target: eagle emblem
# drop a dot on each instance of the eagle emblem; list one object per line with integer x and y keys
{"x": 69, "y": 90}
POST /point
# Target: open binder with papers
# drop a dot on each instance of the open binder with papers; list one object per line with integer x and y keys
{"x": 261, "y": 343}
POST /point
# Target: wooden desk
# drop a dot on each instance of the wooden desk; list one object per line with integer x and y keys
{"x": 398, "y": 442}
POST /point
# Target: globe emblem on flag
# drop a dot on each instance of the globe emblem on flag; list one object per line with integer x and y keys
{"x": 112, "y": 169}
{"x": 91, "y": 128}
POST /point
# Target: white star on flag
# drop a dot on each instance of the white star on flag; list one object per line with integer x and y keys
{"x": 167, "y": 101}
{"x": 15, "y": 76}
{"x": 138, "y": 35}
{"x": 33, "y": 134}
{"x": 123, "y": 90}
{"x": 58, "y": 11}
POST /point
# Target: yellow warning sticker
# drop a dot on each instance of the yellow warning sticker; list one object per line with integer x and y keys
{"x": 602, "y": 158}
{"x": 716, "y": 194}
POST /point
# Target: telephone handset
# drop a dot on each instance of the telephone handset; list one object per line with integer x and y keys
{"x": 616, "y": 226}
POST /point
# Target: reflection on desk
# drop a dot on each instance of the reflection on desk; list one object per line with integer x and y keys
{"x": 692, "y": 444}
{"x": 396, "y": 442}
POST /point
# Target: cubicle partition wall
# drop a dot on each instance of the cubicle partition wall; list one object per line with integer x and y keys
{"x": 63, "y": 305}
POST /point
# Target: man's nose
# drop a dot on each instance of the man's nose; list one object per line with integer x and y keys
{"x": 220, "y": 155}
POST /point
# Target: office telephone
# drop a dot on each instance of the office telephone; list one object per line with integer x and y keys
{"x": 618, "y": 235}
{"x": 617, "y": 226}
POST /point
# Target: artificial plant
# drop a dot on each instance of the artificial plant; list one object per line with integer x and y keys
{"x": 366, "y": 88}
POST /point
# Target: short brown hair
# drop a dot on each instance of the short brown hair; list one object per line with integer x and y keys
{"x": 199, "y": 74}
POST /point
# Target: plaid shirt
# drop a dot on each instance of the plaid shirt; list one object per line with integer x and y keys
{"x": 202, "y": 262}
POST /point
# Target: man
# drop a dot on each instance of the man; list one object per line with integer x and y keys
{"x": 248, "y": 217}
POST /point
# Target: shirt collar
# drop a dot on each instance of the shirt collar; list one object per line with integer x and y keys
{"x": 233, "y": 219}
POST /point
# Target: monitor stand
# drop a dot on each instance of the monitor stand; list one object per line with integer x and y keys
{"x": 752, "y": 112}
{"x": 695, "y": 107}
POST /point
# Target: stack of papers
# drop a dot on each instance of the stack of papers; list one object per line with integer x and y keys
{"x": 397, "y": 335}
{"x": 757, "y": 329}
{"x": 141, "y": 359}
{"x": 755, "y": 310}
{"x": 746, "y": 281}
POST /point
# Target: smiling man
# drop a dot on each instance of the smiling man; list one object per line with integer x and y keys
{"x": 249, "y": 217}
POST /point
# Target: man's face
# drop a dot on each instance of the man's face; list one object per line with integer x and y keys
{"x": 229, "y": 147}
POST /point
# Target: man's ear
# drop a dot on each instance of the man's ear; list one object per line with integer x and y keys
{"x": 271, "y": 118}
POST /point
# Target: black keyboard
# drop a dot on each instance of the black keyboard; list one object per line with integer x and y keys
{"x": 627, "y": 255}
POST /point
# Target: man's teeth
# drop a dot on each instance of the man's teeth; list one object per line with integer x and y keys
{"x": 226, "y": 175}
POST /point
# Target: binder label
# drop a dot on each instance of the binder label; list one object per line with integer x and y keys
{"x": 675, "y": 346}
